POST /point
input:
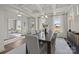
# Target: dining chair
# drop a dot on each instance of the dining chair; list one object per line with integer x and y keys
{"x": 53, "y": 39}
{"x": 50, "y": 34}
{"x": 33, "y": 45}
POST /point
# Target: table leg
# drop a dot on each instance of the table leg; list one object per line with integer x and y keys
{"x": 48, "y": 47}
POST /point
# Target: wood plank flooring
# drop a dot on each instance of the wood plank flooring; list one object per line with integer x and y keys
{"x": 13, "y": 45}
{"x": 61, "y": 46}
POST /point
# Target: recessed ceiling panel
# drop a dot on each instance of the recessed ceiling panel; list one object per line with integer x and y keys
{"x": 46, "y": 6}
{"x": 62, "y": 5}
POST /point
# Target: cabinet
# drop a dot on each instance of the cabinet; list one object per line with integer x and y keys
{"x": 73, "y": 37}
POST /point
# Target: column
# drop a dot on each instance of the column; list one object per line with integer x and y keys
{"x": 24, "y": 26}
{"x": 37, "y": 24}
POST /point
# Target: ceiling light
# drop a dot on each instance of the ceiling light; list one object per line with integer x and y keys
{"x": 19, "y": 15}
{"x": 42, "y": 16}
{"x": 46, "y": 16}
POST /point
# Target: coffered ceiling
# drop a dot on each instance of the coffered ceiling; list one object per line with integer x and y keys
{"x": 36, "y": 10}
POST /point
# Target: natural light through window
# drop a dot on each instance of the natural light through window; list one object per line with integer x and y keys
{"x": 57, "y": 22}
{"x": 18, "y": 26}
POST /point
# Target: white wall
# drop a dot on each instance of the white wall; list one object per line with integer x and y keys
{"x": 3, "y": 28}
{"x": 64, "y": 24}
{"x": 75, "y": 21}
{"x": 30, "y": 21}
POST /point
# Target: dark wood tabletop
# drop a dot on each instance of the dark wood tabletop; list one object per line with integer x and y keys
{"x": 48, "y": 38}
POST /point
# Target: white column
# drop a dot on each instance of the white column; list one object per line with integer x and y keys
{"x": 24, "y": 26}
{"x": 65, "y": 26}
{"x": 36, "y": 23}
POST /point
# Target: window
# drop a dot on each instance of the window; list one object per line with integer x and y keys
{"x": 18, "y": 25}
{"x": 57, "y": 23}
{"x": 11, "y": 26}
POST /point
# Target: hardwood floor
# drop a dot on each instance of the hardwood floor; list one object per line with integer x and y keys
{"x": 61, "y": 46}
{"x": 13, "y": 45}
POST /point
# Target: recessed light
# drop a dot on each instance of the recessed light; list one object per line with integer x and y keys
{"x": 19, "y": 15}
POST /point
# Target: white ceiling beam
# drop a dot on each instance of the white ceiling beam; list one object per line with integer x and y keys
{"x": 27, "y": 8}
{"x": 62, "y": 9}
{"x": 69, "y": 9}
{"x": 54, "y": 8}
{"x": 21, "y": 10}
{"x": 40, "y": 9}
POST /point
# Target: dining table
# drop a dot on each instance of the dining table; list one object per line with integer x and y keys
{"x": 47, "y": 38}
